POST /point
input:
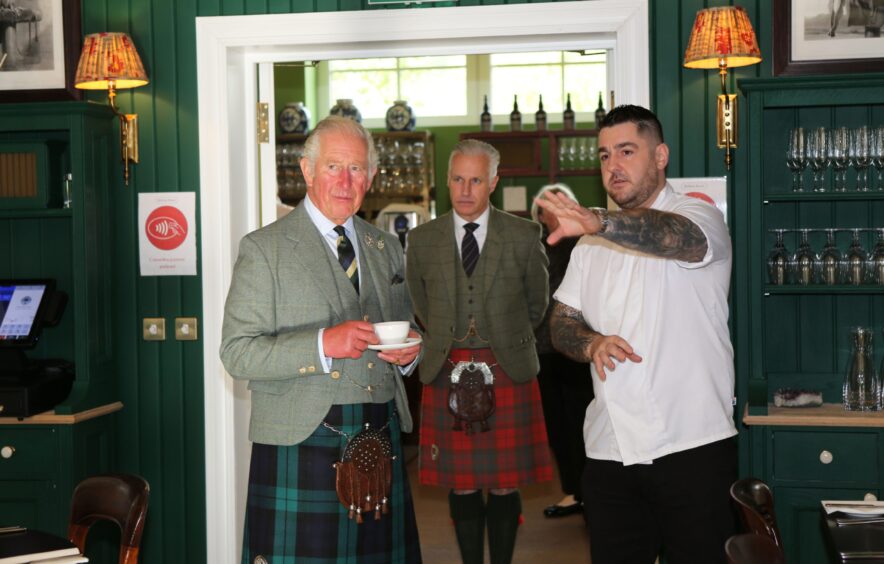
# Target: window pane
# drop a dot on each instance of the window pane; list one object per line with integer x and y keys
{"x": 584, "y": 82}
{"x": 421, "y": 88}
{"x": 424, "y": 62}
{"x": 361, "y": 64}
{"x": 528, "y": 83}
{"x": 526, "y": 58}
{"x": 368, "y": 90}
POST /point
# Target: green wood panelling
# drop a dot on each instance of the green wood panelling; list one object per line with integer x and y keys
{"x": 160, "y": 431}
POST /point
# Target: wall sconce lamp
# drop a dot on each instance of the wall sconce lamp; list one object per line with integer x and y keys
{"x": 110, "y": 62}
{"x": 723, "y": 37}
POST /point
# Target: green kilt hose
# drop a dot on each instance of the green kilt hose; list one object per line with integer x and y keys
{"x": 513, "y": 453}
{"x": 293, "y": 515}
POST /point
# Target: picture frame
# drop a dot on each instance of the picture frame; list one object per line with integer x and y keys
{"x": 42, "y": 71}
{"x": 808, "y": 38}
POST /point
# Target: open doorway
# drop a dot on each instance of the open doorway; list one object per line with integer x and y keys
{"x": 229, "y": 52}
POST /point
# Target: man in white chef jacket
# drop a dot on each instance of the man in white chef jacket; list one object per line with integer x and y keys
{"x": 645, "y": 301}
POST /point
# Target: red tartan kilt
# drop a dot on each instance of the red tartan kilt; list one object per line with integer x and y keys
{"x": 514, "y": 453}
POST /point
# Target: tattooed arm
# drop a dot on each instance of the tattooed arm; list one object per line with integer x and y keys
{"x": 574, "y": 338}
{"x": 663, "y": 234}
{"x": 657, "y": 233}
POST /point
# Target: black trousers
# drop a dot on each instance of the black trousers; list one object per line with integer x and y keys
{"x": 679, "y": 506}
{"x": 565, "y": 391}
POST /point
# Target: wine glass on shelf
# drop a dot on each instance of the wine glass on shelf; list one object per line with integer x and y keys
{"x": 859, "y": 156}
{"x": 876, "y": 261}
{"x": 839, "y": 155}
{"x": 778, "y": 260}
{"x": 830, "y": 262}
{"x": 818, "y": 156}
{"x": 855, "y": 264}
{"x": 877, "y": 152}
{"x": 563, "y": 153}
{"x": 796, "y": 157}
{"x": 803, "y": 260}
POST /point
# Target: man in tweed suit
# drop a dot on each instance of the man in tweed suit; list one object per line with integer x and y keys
{"x": 477, "y": 278}
{"x": 298, "y": 327}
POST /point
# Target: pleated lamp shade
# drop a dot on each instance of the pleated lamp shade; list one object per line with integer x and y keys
{"x": 106, "y": 58}
{"x": 720, "y": 33}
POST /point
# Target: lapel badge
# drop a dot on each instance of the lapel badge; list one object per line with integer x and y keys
{"x": 381, "y": 244}
{"x": 369, "y": 241}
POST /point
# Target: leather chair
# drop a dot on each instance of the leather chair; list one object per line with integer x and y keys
{"x": 756, "y": 505}
{"x": 120, "y": 498}
{"x": 750, "y": 548}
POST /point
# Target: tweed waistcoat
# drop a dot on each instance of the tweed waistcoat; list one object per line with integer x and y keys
{"x": 358, "y": 374}
{"x": 470, "y": 306}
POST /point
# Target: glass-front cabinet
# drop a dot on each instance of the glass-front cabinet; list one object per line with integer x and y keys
{"x": 808, "y": 213}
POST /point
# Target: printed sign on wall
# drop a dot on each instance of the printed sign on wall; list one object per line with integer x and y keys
{"x": 167, "y": 233}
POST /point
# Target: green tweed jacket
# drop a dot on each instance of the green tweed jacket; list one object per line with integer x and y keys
{"x": 281, "y": 294}
{"x": 515, "y": 290}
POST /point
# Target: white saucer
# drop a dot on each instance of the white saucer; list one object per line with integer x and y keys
{"x": 409, "y": 342}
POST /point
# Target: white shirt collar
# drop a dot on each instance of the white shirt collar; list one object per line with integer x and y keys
{"x": 324, "y": 224}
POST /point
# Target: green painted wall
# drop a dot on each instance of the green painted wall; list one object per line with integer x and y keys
{"x": 161, "y": 427}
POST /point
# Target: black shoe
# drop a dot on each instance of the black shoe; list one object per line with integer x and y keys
{"x": 563, "y": 510}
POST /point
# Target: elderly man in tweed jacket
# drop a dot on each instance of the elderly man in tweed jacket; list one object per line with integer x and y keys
{"x": 297, "y": 326}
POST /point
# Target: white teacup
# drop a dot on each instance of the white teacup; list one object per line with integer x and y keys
{"x": 392, "y": 332}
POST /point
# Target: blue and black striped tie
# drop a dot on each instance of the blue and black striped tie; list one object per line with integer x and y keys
{"x": 347, "y": 256}
{"x": 469, "y": 249}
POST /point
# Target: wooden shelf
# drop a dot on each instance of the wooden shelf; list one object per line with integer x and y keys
{"x": 521, "y": 152}
{"x": 824, "y": 289}
{"x": 827, "y": 415}
{"x": 51, "y": 418}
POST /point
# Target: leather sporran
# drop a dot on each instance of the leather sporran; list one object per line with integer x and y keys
{"x": 471, "y": 396}
{"x": 365, "y": 474}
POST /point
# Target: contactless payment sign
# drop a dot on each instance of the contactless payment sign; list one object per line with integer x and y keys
{"x": 166, "y": 228}
{"x": 166, "y": 242}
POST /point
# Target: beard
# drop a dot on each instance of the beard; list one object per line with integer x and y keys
{"x": 640, "y": 192}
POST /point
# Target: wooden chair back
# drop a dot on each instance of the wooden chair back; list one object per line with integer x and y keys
{"x": 750, "y": 548}
{"x": 120, "y": 498}
{"x": 756, "y": 505}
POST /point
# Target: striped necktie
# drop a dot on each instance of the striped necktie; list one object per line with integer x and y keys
{"x": 469, "y": 249}
{"x": 347, "y": 256}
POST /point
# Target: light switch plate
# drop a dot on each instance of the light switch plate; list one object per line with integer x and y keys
{"x": 154, "y": 328}
{"x": 185, "y": 329}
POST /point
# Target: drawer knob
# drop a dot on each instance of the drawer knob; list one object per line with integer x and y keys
{"x": 826, "y": 457}
{"x": 7, "y": 451}
{"x": 870, "y": 497}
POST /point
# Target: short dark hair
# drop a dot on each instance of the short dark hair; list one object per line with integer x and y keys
{"x": 644, "y": 119}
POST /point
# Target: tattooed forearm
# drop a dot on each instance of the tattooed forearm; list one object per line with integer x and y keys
{"x": 570, "y": 333}
{"x": 658, "y": 233}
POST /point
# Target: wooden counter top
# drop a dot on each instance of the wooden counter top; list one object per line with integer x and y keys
{"x": 50, "y": 417}
{"x": 827, "y": 415}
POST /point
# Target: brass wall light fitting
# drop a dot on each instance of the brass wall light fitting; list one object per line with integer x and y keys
{"x": 109, "y": 61}
{"x": 723, "y": 37}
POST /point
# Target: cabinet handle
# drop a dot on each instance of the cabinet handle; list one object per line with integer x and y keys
{"x": 870, "y": 497}
{"x": 826, "y": 457}
{"x": 7, "y": 451}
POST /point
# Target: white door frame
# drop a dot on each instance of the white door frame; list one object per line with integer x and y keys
{"x": 229, "y": 50}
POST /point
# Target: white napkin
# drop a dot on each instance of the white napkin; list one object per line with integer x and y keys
{"x": 851, "y": 507}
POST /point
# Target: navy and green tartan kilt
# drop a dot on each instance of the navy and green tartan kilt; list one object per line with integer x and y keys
{"x": 514, "y": 453}
{"x": 293, "y": 515}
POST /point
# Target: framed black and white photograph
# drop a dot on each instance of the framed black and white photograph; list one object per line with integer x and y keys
{"x": 39, "y": 49}
{"x": 827, "y": 36}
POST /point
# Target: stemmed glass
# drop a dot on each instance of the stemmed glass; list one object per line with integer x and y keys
{"x": 563, "y": 153}
{"x": 796, "y": 158}
{"x": 876, "y": 262}
{"x": 778, "y": 260}
{"x": 803, "y": 260}
{"x": 839, "y": 154}
{"x": 818, "y": 156}
{"x": 877, "y": 152}
{"x": 856, "y": 261}
{"x": 829, "y": 262}
{"x": 859, "y": 156}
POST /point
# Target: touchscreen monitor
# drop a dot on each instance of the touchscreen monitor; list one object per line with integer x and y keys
{"x": 22, "y": 306}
